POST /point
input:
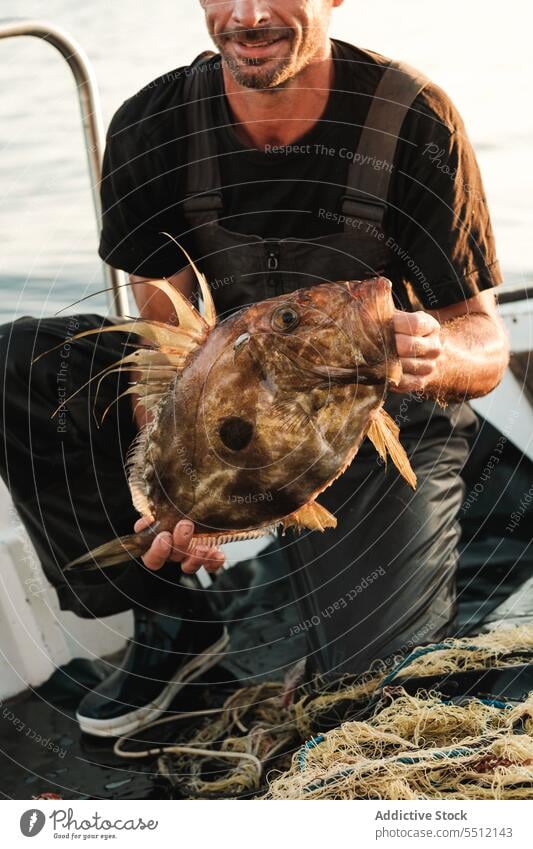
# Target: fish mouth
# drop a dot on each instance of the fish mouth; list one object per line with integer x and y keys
{"x": 370, "y": 284}
{"x": 365, "y": 375}
{"x": 375, "y": 374}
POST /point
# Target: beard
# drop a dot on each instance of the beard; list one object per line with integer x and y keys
{"x": 267, "y": 73}
{"x": 261, "y": 77}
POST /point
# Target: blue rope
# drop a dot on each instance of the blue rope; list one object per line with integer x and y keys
{"x": 497, "y": 703}
{"x": 415, "y": 655}
{"x": 461, "y": 751}
{"x": 309, "y": 744}
{"x": 438, "y": 756}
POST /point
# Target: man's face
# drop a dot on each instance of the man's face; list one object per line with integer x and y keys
{"x": 266, "y": 42}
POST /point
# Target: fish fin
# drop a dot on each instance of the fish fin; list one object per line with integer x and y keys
{"x": 224, "y": 537}
{"x": 122, "y": 549}
{"x": 130, "y": 391}
{"x": 312, "y": 516}
{"x": 135, "y": 462}
{"x": 291, "y": 415}
{"x": 384, "y": 435}
{"x": 172, "y": 344}
{"x": 163, "y": 335}
{"x": 187, "y": 315}
{"x": 118, "y": 550}
{"x": 150, "y": 364}
{"x": 207, "y": 298}
{"x": 150, "y": 361}
{"x": 169, "y": 337}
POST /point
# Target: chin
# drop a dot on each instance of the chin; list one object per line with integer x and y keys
{"x": 269, "y": 75}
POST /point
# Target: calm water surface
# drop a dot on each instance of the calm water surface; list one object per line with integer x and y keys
{"x": 479, "y": 52}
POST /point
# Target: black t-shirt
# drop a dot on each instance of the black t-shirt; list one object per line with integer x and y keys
{"x": 437, "y": 210}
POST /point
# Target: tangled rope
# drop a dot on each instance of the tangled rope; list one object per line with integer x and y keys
{"x": 407, "y": 747}
{"x": 250, "y": 728}
{"x": 419, "y": 748}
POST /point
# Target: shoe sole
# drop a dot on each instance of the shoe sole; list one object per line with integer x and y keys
{"x": 138, "y": 718}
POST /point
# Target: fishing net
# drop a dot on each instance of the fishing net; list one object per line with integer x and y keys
{"x": 418, "y": 748}
{"x": 365, "y": 736}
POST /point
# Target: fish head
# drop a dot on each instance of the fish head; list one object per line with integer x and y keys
{"x": 329, "y": 334}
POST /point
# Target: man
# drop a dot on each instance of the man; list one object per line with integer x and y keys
{"x": 287, "y": 160}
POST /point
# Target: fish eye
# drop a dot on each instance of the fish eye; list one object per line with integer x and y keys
{"x": 285, "y": 318}
{"x": 235, "y": 433}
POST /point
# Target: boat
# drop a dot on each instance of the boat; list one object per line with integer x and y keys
{"x": 50, "y": 657}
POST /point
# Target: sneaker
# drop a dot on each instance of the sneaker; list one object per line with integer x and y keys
{"x": 163, "y": 656}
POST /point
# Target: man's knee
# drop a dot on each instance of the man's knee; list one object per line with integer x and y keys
{"x": 22, "y": 344}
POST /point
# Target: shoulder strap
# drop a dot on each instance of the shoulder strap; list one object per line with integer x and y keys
{"x": 370, "y": 171}
{"x": 368, "y": 182}
{"x": 203, "y": 194}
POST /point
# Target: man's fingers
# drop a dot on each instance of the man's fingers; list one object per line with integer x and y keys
{"x": 142, "y": 523}
{"x": 409, "y": 383}
{"x": 159, "y": 552}
{"x": 214, "y": 560}
{"x": 177, "y": 546}
{"x": 418, "y": 366}
{"x": 181, "y": 538}
{"x": 210, "y": 557}
{"x": 418, "y": 346}
{"x": 415, "y": 323}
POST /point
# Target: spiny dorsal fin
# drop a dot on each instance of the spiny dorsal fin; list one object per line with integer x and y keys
{"x": 187, "y": 315}
{"x": 135, "y": 460}
{"x": 167, "y": 336}
{"x": 150, "y": 364}
{"x": 172, "y": 346}
{"x": 209, "y": 306}
{"x": 172, "y": 343}
{"x": 384, "y": 435}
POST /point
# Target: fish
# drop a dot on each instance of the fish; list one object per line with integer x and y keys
{"x": 252, "y": 417}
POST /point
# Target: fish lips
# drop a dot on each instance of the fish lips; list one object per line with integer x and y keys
{"x": 377, "y": 374}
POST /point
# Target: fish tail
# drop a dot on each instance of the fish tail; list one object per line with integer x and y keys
{"x": 118, "y": 550}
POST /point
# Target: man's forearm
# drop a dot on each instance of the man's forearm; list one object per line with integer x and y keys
{"x": 474, "y": 357}
{"x": 155, "y": 305}
{"x": 455, "y": 353}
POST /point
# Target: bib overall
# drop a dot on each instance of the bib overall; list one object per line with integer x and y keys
{"x": 386, "y": 575}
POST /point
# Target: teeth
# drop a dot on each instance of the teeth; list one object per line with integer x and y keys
{"x": 257, "y": 43}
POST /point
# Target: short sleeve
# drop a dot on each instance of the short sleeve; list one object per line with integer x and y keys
{"x": 139, "y": 202}
{"x": 441, "y": 241}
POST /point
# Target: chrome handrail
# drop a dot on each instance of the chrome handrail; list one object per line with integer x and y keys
{"x": 93, "y": 127}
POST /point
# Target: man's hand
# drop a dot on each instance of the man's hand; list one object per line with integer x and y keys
{"x": 419, "y": 345}
{"x": 454, "y": 353}
{"x": 176, "y": 546}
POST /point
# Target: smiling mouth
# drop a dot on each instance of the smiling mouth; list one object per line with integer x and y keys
{"x": 253, "y": 42}
{"x": 257, "y": 39}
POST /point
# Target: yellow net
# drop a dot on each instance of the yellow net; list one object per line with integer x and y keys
{"x": 418, "y": 748}
{"x": 270, "y": 738}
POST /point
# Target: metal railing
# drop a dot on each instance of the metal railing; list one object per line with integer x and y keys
{"x": 92, "y": 123}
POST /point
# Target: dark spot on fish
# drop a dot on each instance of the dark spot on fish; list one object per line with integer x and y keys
{"x": 236, "y": 433}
